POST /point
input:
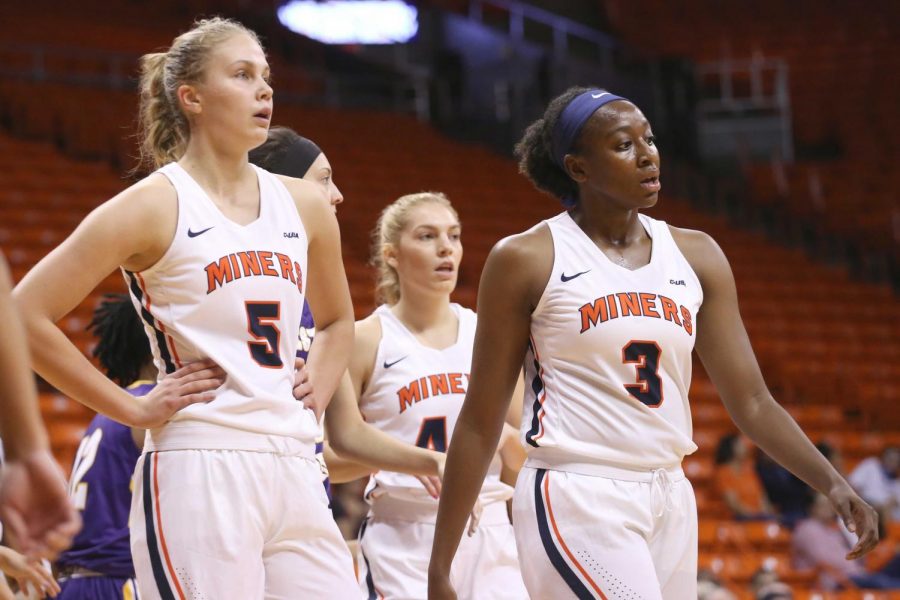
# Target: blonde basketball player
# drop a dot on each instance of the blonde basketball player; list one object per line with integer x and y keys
{"x": 363, "y": 449}
{"x": 217, "y": 255}
{"x": 409, "y": 372}
{"x": 604, "y": 306}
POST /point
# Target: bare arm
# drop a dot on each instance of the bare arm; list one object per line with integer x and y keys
{"x": 326, "y": 290}
{"x": 342, "y": 470}
{"x": 20, "y": 419}
{"x": 355, "y": 440}
{"x": 133, "y": 230}
{"x": 34, "y": 505}
{"x": 514, "y": 276}
{"x": 511, "y": 451}
{"x": 724, "y": 348}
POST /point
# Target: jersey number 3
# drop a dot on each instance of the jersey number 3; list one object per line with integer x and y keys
{"x": 261, "y": 318}
{"x": 645, "y": 358}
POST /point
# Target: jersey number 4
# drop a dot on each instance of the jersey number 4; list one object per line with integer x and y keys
{"x": 433, "y": 434}
{"x": 645, "y": 358}
{"x": 261, "y": 318}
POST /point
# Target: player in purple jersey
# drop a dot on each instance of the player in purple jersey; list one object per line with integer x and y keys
{"x": 98, "y": 566}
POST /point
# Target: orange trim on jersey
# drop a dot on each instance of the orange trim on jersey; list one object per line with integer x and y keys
{"x": 171, "y": 345}
{"x": 159, "y": 528}
{"x": 143, "y": 289}
{"x": 169, "y": 341}
{"x": 562, "y": 542}
{"x": 543, "y": 395}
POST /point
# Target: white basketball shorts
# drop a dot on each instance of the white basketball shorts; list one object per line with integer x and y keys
{"x": 629, "y": 536}
{"x": 222, "y": 524}
{"x": 395, "y": 549}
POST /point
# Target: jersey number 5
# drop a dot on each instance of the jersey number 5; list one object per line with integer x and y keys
{"x": 261, "y": 318}
{"x": 645, "y": 357}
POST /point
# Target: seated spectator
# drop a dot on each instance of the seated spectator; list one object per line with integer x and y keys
{"x": 789, "y": 494}
{"x": 765, "y": 585}
{"x": 710, "y": 588}
{"x": 737, "y": 482}
{"x": 821, "y": 544}
{"x": 875, "y": 479}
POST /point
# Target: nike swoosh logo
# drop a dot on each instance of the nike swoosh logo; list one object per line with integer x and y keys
{"x": 566, "y": 278}
{"x": 196, "y": 233}
{"x": 388, "y": 365}
{"x": 595, "y": 96}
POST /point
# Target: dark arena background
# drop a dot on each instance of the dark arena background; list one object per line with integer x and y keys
{"x": 778, "y": 127}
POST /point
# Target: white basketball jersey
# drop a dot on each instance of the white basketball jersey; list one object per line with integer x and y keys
{"x": 415, "y": 394}
{"x": 234, "y": 294}
{"x": 609, "y": 362}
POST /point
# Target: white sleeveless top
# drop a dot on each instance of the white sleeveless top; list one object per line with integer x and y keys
{"x": 233, "y": 294}
{"x": 609, "y": 362}
{"x": 415, "y": 394}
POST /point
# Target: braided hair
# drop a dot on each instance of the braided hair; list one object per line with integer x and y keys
{"x": 122, "y": 347}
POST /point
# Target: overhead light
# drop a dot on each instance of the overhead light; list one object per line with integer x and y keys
{"x": 351, "y": 21}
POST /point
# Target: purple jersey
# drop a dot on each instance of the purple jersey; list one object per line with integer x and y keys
{"x": 100, "y": 486}
{"x": 307, "y": 332}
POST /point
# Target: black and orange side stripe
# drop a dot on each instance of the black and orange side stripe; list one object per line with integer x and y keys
{"x": 150, "y": 485}
{"x": 546, "y": 521}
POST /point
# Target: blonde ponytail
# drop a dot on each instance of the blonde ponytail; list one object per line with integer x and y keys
{"x": 164, "y": 128}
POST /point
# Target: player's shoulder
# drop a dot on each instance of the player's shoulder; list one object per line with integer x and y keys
{"x": 523, "y": 247}
{"x": 701, "y": 251}
{"x": 367, "y": 338}
{"x": 155, "y": 185}
{"x": 151, "y": 197}
{"x": 368, "y": 330}
{"x": 520, "y": 265}
{"x": 692, "y": 239}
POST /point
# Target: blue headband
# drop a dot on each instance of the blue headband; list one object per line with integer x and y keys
{"x": 572, "y": 119}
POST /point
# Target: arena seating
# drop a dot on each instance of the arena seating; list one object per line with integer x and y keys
{"x": 828, "y": 344}
{"x": 838, "y": 58}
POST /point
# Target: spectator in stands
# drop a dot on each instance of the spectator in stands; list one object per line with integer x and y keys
{"x": 34, "y": 506}
{"x": 875, "y": 479}
{"x": 784, "y": 490}
{"x": 709, "y": 587}
{"x": 765, "y": 585}
{"x": 736, "y": 480}
{"x": 821, "y": 544}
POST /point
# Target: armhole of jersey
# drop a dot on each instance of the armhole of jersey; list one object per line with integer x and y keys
{"x": 162, "y": 260}
{"x": 374, "y": 364}
{"x": 687, "y": 262}
{"x": 543, "y": 299}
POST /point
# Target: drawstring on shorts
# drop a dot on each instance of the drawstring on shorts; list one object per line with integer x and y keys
{"x": 660, "y": 492}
